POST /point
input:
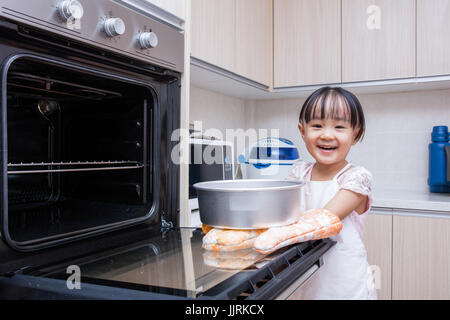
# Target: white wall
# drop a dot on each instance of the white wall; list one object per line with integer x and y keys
{"x": 398, "y": 131}
{"x": 394, "y": 148}
{"x": 216, "y": 110}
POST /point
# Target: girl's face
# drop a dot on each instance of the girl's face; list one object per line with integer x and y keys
{"x": 328, "y": 140}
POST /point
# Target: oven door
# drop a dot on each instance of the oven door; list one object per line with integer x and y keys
{"x": 168, "y": 265}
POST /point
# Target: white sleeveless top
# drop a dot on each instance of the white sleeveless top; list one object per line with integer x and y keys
{"x": 345, "y": 273}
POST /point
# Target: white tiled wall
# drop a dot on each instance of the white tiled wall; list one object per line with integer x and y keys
{"x": 216, "y": 110}
{"x": 394, "y": 148}
{"x": 399, "y": 129}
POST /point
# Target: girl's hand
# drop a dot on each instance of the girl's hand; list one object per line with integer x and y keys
{"x": 312, "y": 225}
{"x": 346, "y": 201}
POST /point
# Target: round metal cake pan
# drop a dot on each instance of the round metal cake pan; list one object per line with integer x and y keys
{"x": 249, "y": 204}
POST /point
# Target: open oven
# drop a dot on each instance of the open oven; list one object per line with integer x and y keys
{"x": 81, "y": 151}
{"x": 90, "y": 96}
{"x": 85, "y": 121}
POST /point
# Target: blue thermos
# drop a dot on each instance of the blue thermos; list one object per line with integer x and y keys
{"x": 439, "y": 162}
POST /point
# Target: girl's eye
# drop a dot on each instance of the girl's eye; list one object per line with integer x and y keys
{"x": 316, "y": 126}
{"x": 340, "y": 127}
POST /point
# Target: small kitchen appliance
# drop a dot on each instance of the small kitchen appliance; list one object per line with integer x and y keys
{"x": 210, "y": 159}
{"x": 268, "y": 158}
{"x": 439, "y": 160}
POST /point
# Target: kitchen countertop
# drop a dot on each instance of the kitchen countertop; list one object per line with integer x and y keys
{"x": 411, "y": 199}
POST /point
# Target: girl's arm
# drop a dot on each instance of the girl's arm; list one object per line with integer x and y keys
{"x": 346, "y": 201}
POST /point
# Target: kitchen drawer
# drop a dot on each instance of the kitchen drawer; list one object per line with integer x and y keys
{"x": 421, "y": 256}
{"x": 378, "y": 242}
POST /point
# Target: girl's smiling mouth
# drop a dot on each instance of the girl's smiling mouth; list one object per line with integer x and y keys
{"x": 327, "y": 149}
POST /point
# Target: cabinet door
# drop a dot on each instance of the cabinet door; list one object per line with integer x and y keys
{"x": 175, "y": 7}
{"x": 213, "y": 34}
{"x": 254, "y": 40}
{"x": 433, "y": 37}
{"x": 421, "y": 258}
{"x": 307, "y": 42}
{"x": 378, "y": 39}
{"x": 378, "y": 242}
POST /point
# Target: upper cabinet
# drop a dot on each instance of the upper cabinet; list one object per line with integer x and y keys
{"x": 433, "y": 37}
{"x": 213, "y": 35}
{"x": 295, "y": 43}
{"x": 234, "y": 35}
{"x": 254, "y": 40}
{"x": 307, "y": 42}
{"x": 378, "y": 39}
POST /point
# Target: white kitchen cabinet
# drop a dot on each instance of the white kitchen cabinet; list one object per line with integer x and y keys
{"x": 235, "y": 36}
{"x": 378, "y": 242}
{"x": 254, "y": 36}
{"x": 433, "y": 37}
{"x": 378, "y": 39}
{"x": 213, "y": 32}
{"x": 307, "y": 42}
{"x": 421, "y": 256}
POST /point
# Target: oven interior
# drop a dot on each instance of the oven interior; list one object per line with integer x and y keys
{"x": 80, "y": 151}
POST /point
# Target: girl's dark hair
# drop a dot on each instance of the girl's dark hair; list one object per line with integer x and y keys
{"x": 327, "y": 102}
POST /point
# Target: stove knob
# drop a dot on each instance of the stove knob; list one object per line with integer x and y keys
{"x": 70, "y": 9}
{"x": 148, "y": 40}
{"x": 114, "y": 27}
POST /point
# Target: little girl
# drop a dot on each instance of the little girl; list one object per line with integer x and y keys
{"x": 332, "y": 121}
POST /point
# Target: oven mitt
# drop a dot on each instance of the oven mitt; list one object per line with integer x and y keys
{"x": 229, "y": 239}
{"x": 313, "y": 225}
{"x": 236, "y": 260}
{"x": 206, "y": 228}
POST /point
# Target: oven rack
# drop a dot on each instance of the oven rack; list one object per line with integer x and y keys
{"x": 70, "y": 166}
{"x": 64, "y": 88}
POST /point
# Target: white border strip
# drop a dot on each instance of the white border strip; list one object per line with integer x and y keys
{"x": 381, "y": 211}
{"x": 371, "y": 83}
{"x": 422, "y": 213}
{"x": 148, "y": 9}
{"x": 410, "y": 213}
{"x": 228, "y": 74}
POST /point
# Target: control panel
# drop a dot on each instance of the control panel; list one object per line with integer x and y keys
{"x": 70, "y": 9}
{"x": 114, "y": 27}
{"x": 103, "y": 23}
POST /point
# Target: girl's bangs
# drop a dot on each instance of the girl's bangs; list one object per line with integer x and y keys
{"x": 331, "y": 106}
{"x": 334, "y": 103}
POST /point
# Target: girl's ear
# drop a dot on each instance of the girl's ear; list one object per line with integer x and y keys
{"x": 355, "y": 141}
{"x": 302, "y": 130}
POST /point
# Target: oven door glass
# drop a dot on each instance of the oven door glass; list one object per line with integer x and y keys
{"x": 173, "y": 263}
{"x": 209, "y": 162}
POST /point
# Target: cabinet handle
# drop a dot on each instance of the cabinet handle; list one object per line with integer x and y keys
{"x": 381, "y": 211}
